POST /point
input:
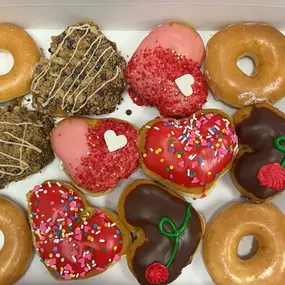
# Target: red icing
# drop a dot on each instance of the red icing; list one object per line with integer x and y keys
{"x": 156, "y": 273}
{"x": 101, "y": 170}
{"x": 152, "y": 74}
{"x": 67, "y": 238}
{"x": 190, "y": 152}
{"x": 272, "y": 176}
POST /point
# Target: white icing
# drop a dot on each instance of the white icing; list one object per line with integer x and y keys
{"x": 22, "y": 143}
{"x": 249, "y": 98}
{"x": 184, "y": 83}
{"x": 113, "y": 141}
{"x": 74, "y": 96}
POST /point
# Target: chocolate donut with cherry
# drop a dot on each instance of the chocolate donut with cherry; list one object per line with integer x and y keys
{"x": 168, "y": 229}
{"x": 165, "y": 71}
{"x": 259, "y": 170}
{"x": 96, "y": 153}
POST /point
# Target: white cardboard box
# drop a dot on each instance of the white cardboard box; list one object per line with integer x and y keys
{"x": 126, "y": 23}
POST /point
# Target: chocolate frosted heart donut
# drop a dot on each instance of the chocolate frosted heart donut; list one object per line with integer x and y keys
{"x": 74, "y": 240}
{"x": 188, "y": 155}
{"x": 259, "y": 172}
{"x": 168, "y": 231}
{"x": 96, "y": 153}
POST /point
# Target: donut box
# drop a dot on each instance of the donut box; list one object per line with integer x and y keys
{"x": 127, "y": 23}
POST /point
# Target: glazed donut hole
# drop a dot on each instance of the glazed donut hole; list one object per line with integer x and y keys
{"x": 247, "y": 247}
{"x": 6, "y": 62}
{"x": 247, "y": 64}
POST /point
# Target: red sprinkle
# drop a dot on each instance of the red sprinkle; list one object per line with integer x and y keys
{"x": 152, "y": 74}
{"x": 101, "y": 170}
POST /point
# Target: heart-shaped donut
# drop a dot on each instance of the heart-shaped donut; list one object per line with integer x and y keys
{"x": 190, "y": 154}
{"x": 73, "y": 239}
{"x": 168, "y": 231}
{"x": 96, "y": 153}
{"x": 258, "y": 172}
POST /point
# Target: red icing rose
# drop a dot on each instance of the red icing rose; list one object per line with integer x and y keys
{"x": 156, "y": 273}
{"x": 272, "y": 176}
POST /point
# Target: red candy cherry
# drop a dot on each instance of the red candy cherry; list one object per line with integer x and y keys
{"x": 272, "y": 176}
{"x": 156, "y": 273}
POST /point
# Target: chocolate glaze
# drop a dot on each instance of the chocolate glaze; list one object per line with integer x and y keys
{"x": 258, "y": 131}
{"x": 144, "y": 207}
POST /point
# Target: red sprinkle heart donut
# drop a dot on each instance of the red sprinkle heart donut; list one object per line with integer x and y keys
{"x": 189, "y": 155}
{"x": 165, "y": 71}
{"x": 74, "y": 240}
{"x": 96, "y": 154}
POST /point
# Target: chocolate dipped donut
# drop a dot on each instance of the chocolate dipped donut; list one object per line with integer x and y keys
{"x": 74, "y": 240}
{"x": 191, "y": 154}
{"x": 168, "y": 231}
{"x": 265, "y": 45}
{"x": 265, "y": 264}
{"x": 258, "y": 172}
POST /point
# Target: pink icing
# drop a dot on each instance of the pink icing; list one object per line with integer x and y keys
{"x": 182, "y": 39}
{"x": 69, "y": 143}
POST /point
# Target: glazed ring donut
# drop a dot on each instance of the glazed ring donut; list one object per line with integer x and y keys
{"x": 222, "y": 237}
{"x": 265, "y": 45}
{"x": 26, "y": 54}
{"x": 17, "y": 249}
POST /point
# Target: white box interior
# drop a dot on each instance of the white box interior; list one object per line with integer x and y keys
{"x": 126, "y": 23}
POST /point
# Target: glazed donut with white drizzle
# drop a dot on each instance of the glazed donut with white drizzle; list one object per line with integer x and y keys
{"x": 84, "y": 75}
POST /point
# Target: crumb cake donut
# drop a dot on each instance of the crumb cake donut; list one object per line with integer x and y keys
{"x": 25, "y": 146}
{"x": 74, "y": 240}
{"x": 16, "y": 252}
{"x": 191, "y": 154}
{"x": 165, "y": 71}
{"x": 168, "y": 230}
{"x": 265, "y": 264}
{"x": 259, "y": 170}
{"x": 96, "y": 153}
{"x": 265, "y": 45}
{"x": 84, "y": 75}
{"x": 26, "y": 54}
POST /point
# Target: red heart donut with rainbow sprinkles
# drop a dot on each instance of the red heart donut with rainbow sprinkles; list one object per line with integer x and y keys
{"x": 74, "y": 240}
{"x": 189, "y": 155}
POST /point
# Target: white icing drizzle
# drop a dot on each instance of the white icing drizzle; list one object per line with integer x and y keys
{"x": 83, "y": 69}
{"x": 69, "y": 31}
{"x": 65, "y": 99}
{"x": 118, "y": 70}
{"x": 249, "y": 98}
{"x": 90, "y": 81}
{"x": 22, "y": 143}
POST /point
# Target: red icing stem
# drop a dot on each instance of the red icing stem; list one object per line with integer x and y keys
{"x": 69, "y": 239}
{"x": 190, "y": 152}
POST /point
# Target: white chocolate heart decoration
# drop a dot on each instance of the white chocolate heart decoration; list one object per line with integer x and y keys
{"x": 184, "y": 83}
{"x": 113, "y": 141}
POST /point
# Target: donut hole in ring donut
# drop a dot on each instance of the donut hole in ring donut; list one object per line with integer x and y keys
{"x": 2, "y": 240}
{"x": 248, "y": 247}
{"x": 247, "y": 64}
{"x": 6, "y": 62}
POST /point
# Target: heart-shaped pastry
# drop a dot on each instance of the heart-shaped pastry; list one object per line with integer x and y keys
{"x": 188, "y": 155}
{"x": 168, "y": 231}
{"x": 73, "y": 239}
{"x": 96, "y": 153}
{"x": 259, "y": 170}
